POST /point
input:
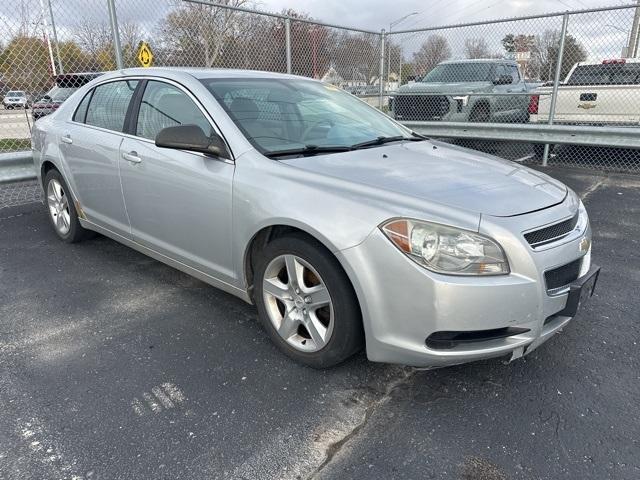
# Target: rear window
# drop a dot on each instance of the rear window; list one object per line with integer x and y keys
{"x": 606, "y": 74}
{"x": 15, "y": 93}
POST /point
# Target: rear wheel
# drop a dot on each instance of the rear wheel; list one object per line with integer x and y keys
{"x": 62, "y": 210}
{"x": 306, "y": 302}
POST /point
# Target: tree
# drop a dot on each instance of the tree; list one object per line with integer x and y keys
{"x": 517, "y": 43}
{"x": 544, "y": 54}
{"x": 94, "y": 38}
{"x": 196, "y": 34}
{"x": 434, "y": 50}
{"x": 476, "y": 48}
{"x": 24, "y": 65}
{"x": 72, "y": 58}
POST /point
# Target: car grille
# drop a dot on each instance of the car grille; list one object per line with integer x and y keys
{"x": 552, "y": 233}
{"x": 420, "y": 107}
{"x": 560, "y": 277}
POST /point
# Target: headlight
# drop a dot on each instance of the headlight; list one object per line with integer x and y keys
{"x": 583, "y": 218}
{"x": 445, "y": 249}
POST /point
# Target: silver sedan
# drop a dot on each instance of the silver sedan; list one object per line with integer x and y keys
{"x": 343, "y": 227}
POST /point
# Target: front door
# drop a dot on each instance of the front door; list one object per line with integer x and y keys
{"x": 179, "y": 202}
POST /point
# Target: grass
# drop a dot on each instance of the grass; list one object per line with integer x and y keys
{"x": 14, "y": 144}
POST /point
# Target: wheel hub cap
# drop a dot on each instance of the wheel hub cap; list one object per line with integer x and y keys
{"x": 298, "y": 303}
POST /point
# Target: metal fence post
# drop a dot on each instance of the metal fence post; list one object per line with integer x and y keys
{"x": 55, "y": 37}
{"x": 113, "y": 19}
{"x": 381, "y": 75}
{"x": 556, "y": 81}
{"x": 287, "y": 40}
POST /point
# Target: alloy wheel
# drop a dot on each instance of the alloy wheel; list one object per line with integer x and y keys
{"x": 298, "y": 303}
{"x": 58, "y": 203}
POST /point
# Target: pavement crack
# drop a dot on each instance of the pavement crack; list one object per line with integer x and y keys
{"x": 336, "y": 447}
{"x": 601, "y": 182}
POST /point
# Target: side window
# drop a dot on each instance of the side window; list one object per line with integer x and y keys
{"x": 515, "y": 74}
{"x": 164, "y": 105}
{"x": 81, "y": 111}
{"x": 501, "y": 71}
{"x": 109, "y": 104}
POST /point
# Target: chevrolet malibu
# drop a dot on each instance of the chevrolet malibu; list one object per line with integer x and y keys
{"x": 343, "y": 227}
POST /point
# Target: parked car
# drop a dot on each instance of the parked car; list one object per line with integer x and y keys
{"x": 342, "y": 226}
{"x": 593, "y": 94}
{"x": 464, "y": 91}
{"x": 65, "y": 85}
{"x": 15, "y": 99}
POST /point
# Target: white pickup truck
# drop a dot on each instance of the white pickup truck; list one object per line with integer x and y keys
{"x": 594, "y": 93}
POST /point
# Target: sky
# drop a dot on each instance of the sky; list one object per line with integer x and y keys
{"x": 603, "y": 34}
{"x": 377, "y": 14}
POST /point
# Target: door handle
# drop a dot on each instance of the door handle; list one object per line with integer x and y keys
{"x": 66, "y": 139}
{"x": 132, "y": 157}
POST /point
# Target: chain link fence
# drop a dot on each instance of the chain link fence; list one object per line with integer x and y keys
{"x": 577, "y": 68}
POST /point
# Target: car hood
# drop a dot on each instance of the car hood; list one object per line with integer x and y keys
{"x": 448, "y": 175}
{"x": 448, "y": 87}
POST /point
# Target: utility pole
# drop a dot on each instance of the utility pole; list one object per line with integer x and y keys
{"x": 632, "y": 49}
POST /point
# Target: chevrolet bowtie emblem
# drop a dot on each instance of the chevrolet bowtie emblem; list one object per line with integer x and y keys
{"x": 586, "y": 106}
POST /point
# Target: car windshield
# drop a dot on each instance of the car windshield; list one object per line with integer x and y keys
{"x": 58, "y": 94}
{"x": 15, "y": 94}
{"x": 279, "y": 115}
{"x": 606, "y": 74}
{"x": 460, "y": 72}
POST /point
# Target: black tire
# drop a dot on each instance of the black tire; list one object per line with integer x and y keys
{"x": 76, "y": 232}
{"x": 481, "y": 113}
{"x": 347, "y": 337}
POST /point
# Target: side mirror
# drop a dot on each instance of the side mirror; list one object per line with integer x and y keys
{"x": 503, "y": 80}
{"x": 192, "y": 138}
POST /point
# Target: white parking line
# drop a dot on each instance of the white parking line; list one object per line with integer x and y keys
{"x": 526, "y": 157}
{"x": 44, "y": 449}
{"x": 162, "y": 397}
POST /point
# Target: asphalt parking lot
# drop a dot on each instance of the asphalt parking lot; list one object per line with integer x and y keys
{"x": 115, "y": 366}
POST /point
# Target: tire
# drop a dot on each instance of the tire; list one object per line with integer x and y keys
{"x": 332, "y": 313}
{"x": 62, "y": 210}
{"x": 480, "y": 114}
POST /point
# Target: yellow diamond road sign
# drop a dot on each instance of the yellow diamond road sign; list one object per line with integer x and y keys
{"x": 145, "y": 55}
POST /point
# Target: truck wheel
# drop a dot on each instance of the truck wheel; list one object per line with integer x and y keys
{"x": 480, "y": 114}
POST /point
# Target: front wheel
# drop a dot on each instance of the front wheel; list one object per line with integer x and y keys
{"x": 306, "y": 302}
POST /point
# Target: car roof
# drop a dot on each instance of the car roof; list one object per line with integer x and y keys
{"x": 201, "y": 73}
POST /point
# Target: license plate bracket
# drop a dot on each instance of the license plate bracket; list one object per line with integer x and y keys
{"x": 580, "y": 291}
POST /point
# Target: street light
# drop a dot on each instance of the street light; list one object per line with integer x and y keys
{"x": 391, "y": 25}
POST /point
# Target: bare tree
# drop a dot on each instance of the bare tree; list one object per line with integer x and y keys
{"x": 544, "y": 54}
{"x": 92, "y": 36}
{"x": 434, "y": 50}
{"x": 476, "y": 48}
{"x": 196, "y": 34}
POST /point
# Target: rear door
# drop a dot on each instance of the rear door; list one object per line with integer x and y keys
{"x": 90, "y": 144}
{"x": 179, "y": 202}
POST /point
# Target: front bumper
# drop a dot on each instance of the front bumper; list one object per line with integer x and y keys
{"x": 403, "y": 304}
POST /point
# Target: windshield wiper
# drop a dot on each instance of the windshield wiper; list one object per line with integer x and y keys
{"x": 308, "y": 150}
{"x": 383, "y": 140}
